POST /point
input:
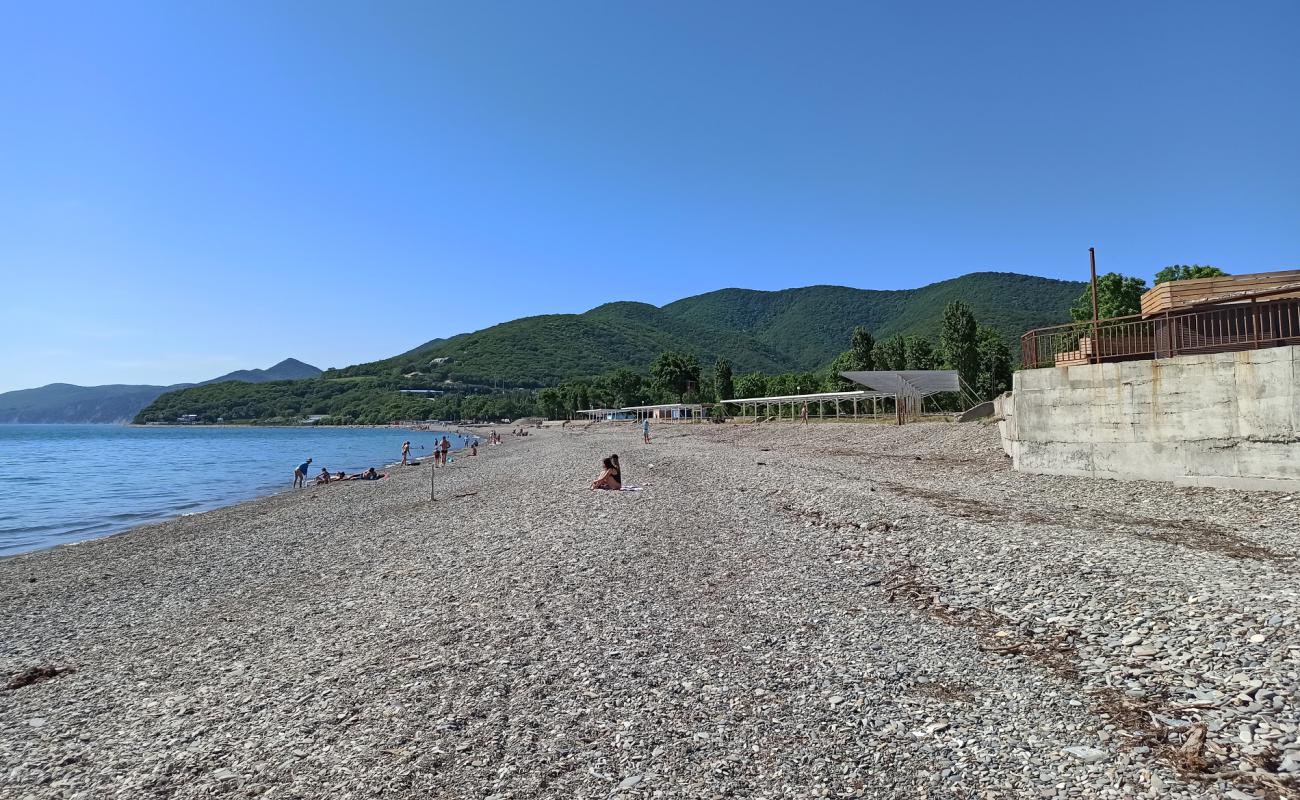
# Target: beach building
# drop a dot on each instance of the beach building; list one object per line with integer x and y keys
{"x": 1202, "y": 315}
{"x": 608, "y": 414}
{"x": 693, "y": 412}
{"x": 1197, "y": 389}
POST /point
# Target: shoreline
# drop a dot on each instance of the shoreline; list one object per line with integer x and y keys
{"x": 890, "y": 602}
{"x": 208, "y": 506}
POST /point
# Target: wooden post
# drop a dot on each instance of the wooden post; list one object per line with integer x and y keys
{"x": 1254, "y": 309}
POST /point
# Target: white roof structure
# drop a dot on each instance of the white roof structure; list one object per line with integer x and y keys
{"x": 664, "y": 406}
{"x": 600, "y": 411}
{"x": 924, "y": 382}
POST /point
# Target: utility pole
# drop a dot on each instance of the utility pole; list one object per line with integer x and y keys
{"x": 1094, "y": 356}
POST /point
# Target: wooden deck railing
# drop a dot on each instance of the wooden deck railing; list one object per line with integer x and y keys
{"x": 1211, "y": 329}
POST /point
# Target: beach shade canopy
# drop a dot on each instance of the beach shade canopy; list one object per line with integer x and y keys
{"x": 828, "y": 397}
{"x": 924, "y": 382}
{"x": 598, "y": 412}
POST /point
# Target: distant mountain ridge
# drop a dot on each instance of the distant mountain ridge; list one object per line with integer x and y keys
{"x": 68, "y": 403}
{"x": 290, "y": 369}
{"x": 768, "y": 331}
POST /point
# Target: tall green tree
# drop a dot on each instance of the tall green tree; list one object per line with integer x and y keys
{"x": 1183, "y": 272}
{"x": 626, "y": 386}
{"x": 551, "y": 403}
{"x": 917, "y": 353}
{"x": 722, "y": 382}
{"x": 1117, "y": 296}
{"x": 994, "y": 364}
{"x": 862, "y": 346}
{"x": 890, "y": 353}
{"x": 752, "y": 385}
{"x": 859, "y": 356}
{"x": 675, "y": 373}
{"x": 958, "y": 341}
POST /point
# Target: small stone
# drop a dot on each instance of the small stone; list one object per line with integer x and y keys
{"x": 224, "y": 774}
{"x": 629, "y": 782}
{"x": 1145, "y": 651}
{"x": 37, "y": 722}
{"x": 1258, "y": 638}
{"x": 1131, "y": 639}
{"x": 836, "y": 700}
{"x": 1088, "y": 755}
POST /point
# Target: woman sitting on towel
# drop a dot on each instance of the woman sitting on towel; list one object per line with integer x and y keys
{"x": 610, "y": 478}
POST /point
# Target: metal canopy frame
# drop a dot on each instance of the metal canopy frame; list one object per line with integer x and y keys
{"x": 845, "y": 404}
{"x": 921, "y": 381}
{"x": 910, "y": 387}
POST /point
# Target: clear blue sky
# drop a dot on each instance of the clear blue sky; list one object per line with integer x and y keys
{"x": 188, "y": 188}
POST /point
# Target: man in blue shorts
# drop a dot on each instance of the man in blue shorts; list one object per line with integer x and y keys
{"x": 300, "y": 474}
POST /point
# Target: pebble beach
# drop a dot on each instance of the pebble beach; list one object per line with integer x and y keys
{"x": 782, "y": 611}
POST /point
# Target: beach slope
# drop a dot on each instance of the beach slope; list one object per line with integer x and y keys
{"x": 782, "y": 611}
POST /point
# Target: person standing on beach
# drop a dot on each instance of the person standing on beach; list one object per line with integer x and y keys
{"x": 445, "y": 446}
{"x": 406, "y": 451}
{"x": 300, "y": 474}
{"x": 803, "y": 413}
{"x": 645, "y": 430}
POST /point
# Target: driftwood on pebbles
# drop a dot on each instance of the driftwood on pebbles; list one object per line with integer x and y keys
{"x": 785, "y": 611}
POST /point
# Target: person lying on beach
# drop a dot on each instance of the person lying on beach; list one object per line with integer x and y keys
{"x": 610, "y": 478}
{"x": 370, "y": 475}
{"x": 342, "y": 476}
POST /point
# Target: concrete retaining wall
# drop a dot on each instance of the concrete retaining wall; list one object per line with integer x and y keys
{"x": 1228, "y": 419}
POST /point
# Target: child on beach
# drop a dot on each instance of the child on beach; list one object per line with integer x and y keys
{"x": 300, "y": 474}
{"x": 645, "y": 429}
{"x": 323, "y": 477}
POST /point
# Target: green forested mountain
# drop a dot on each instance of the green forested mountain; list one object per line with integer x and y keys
{"x": 792, "y": 329}
{"x": 68, "y": 403}
{"x": 290, "y": 369}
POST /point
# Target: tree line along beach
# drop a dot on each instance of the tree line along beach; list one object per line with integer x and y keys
{"x": 783, "y": 611}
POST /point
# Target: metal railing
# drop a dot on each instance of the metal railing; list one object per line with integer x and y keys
{"x": 1206, "y": 329}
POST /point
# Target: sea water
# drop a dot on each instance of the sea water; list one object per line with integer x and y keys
{"x": 66, "y": 483}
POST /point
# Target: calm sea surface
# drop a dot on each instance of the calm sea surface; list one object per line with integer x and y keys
{"x": 64, "y": 483}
